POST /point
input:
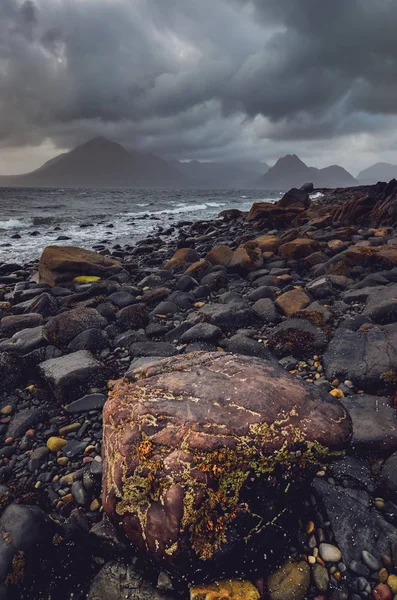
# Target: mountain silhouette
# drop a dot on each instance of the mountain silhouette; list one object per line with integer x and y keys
{"x": 101, "y": 163}
{"x": 290, "y": 171}
{"x": 381, "y": 171}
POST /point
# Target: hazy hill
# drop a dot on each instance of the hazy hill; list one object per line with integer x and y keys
{"x": 379, "y": 172}
{"x": 101, "y": 163}
{"x": 221, "y": 174}
{"x": 290, "y": 171}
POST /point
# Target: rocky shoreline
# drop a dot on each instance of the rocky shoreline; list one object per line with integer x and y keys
{"x": 266, "y": 341}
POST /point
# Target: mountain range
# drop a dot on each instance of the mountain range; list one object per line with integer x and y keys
{"x": 102, "y": 163}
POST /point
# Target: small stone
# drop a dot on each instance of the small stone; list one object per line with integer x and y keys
{"x": 380, "y": 504}
{"x": 228, "y": 590}
{"x": 63, "y": 461}
{"x": 164, "y": 581}
{"x": 335, "y": 383}
{"x": 392, "y": 583}
{"x": 55, "y": 444}
{"x": 330, "y": 553}
{"x": 7, "y": 410}
{"x": 370, "y": 561}
{"x": 311, "y": 560}
{"x": 95, "y": 505}
{"x": 383, "y": 575}
{"x": 337, "y": 393}
{"x": 382, "y": 592}
{"x": 320, "y": 577}
{"x": 290, "y": 582}
{"x": 310, "y": 527}
{"x": 69, "y": 428}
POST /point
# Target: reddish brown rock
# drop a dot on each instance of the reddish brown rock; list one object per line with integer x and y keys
{"x": 271, "y": 213}
{"x": 247, "y": 257}
{"x": 372, "y": 258}
{"x": 292, "y": 302}
{"x": 268, "y": 243}
{"x": 202, "y": 449}
{"x": 198, "y": 269}
{"x": 64, "y": 263}
{"x": 221, "y": 255}
{"x": 299, "y": 248}
{"x": 231, "y": 214}
{"x": 181, "y": 259}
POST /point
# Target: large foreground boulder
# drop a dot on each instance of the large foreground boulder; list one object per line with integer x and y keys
{"x": 64, "y": 263}
{"x": 204, "y": 455}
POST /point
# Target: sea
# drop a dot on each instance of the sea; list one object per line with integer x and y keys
{"x": 33, "y": 218}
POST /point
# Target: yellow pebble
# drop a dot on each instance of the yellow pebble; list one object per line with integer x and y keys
{"x": 199, "y": 305}
{"x": 311, "y": 560}
{"x": 383, "y": 575}
{"x": 310, "y": 527}
{"x": 337, "y": 393}
{"x": 86, "y": 279}
{"x": 392, "y": 583}
{"x": 55, "y": 444}
{"x": 95, "y": 505}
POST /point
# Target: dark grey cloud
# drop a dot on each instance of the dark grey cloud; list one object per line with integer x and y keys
{"x": 199, "y": 79}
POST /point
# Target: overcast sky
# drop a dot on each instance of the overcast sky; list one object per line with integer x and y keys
{"x": 205, "y": 79}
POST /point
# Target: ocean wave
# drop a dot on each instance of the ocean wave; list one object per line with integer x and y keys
{"x": 181, "y": 209}
{"x": 215, "y": 204}
{"x": 13, "y": 224}
{"x": 316, "y": 196}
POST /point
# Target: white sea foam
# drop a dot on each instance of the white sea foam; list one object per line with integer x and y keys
{"x": 316, "y": 196}
{"x": 13, "y": 224}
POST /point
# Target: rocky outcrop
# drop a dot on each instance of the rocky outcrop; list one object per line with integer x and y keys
{"x": 64, "y": 263}
{"x": 201, "y": 450}
{"x": 296, "y": 198}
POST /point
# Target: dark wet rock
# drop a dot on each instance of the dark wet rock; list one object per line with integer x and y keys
{"x": 63, "y": 328}
{"x": 15, "y": 323}
{"x": 353, "y": 473}
{"x": 374, "y": 423}
{"x": 145, "y": 349}
{"x": 355, "y": 524}
{"x": 24, "y": 420}
{"x": 124, "y": 340}
{"x": 320, "y": 288}
{"x": 120, "y": 581}
{"x": 182, "y": 299}
{"x": 73, "y": 374}
{"x": 298, "y": 337}
{"x": 381, "y": 306}
{"x": 133, "y": 317}
{"x": 121, "y": 299}
{"x": 216, "y": 280}
{"x": 93, "y": 340}
{"x": 389, "y": 476}
{"x": 194, "y": 432}
{"x": 204, "y": 332}
{"x": 241, "y": 344}
{"x": 107, "y": 535}
{"x": 175, "y": 334}
{"x": 296, "y": 197}
{"x": 25, "y": 531}
{"x": 226, "y": 317}
{"x": 265, "y": 309}
{"x": 263, "y": 291}
{"x": 165, "y": 308}
{"x": 37, "y": 457}
{"x": 25, "y": 341}
{"x": 367, "y": 357}
{"x": 64, "y": 263}
{"x": 186, "y": 283}
{"x": 156, "y": 330}
{"x": 86, "y": 403}
{"x": 13, "y": 372}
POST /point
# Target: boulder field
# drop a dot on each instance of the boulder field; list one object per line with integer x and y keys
{"x": 208, "y": 414}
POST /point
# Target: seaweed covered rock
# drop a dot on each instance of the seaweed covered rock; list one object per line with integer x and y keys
{"x": 206, "y": 457}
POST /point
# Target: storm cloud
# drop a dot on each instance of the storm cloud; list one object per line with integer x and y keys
{"x": 209, "y": 79}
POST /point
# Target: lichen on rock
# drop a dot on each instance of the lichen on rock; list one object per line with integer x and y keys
{"x": 201, "y": 446}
